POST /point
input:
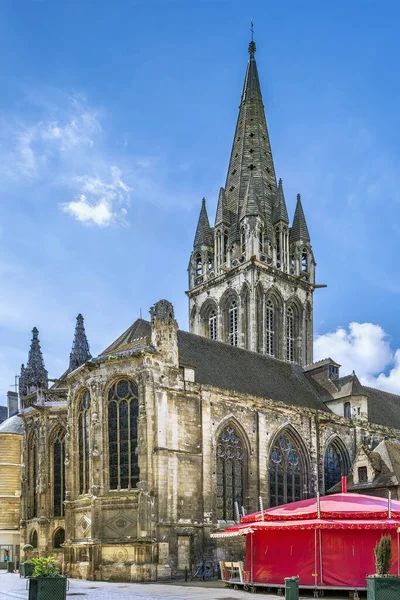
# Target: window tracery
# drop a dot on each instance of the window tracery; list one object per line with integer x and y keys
{"x": 58, "y": 457}
{"x": 335, "y": 465}
{"x": 286, "y": 471}
{"x": 212, "y": 324}
{"x": 84, "y": 442}
{"x": 123, "y": 412}
{"x": 230, "y": 473}
{"x": 270, "y": 328}
{"x": 290, "y": 332}
{"x": 32, "y": 477}
{"x": 233, "y": 323}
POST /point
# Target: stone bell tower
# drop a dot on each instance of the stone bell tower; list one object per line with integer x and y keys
{"x": 252, "y": 276}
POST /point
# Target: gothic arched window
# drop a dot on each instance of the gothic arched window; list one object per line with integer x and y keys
{"x": 83, "y": 440}
{"x": 32, "y": 477}
{"x": 278, "y": 247}
{"x": 336, "y": 464}
{"x": 261, "y": 240}
{"x": 123, "y": 412}
{"x": 59, "y": 538}
{"x": 290, "y": 333}
{"x": 233, "y": 323}
{"x": 212, "y": 324}
{"x": 58, "y": 476}
{"x": 210, "y": 262}
{"x": 286, "y": 471}
{"x": 304, "y": 260}
{"x": 270, "y": 328}
{"x": 243, "y": 240}
{"x": 225, "y": 246}
{"x": 199, "y": 265}
{"x": 34, "y": 539}
{"x": 231, "y": 459}
{"x": 347, "y": 410}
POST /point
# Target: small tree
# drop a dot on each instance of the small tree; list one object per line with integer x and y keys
{"x": 383, "y": 556}
{"x": 44, "y": 567}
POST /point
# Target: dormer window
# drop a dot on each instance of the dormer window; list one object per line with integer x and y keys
{"x": 333, "y": 372}
{"x": 362, "y": 475}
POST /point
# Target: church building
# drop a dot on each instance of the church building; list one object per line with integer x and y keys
{"x": 132, "y": 458}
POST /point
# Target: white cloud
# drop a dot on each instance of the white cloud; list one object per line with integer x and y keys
{"x": 100, "y": 202}
{"x": 364, "y": 348}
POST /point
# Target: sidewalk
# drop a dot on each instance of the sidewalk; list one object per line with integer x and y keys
{"x": 11, "y": 586}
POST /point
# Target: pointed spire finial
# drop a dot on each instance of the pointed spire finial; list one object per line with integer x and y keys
{"x": 299, "y": 231}
{"x": 35, "y": 375}
{"x": 80, "y": 352}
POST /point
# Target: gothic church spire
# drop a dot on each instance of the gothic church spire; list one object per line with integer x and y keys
{"x": 280, "y": 211}
{"x": 251, "y": 150}
{"x": 80, "y": 352}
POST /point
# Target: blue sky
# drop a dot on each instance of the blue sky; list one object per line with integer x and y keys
{"x": 116, "y": 118}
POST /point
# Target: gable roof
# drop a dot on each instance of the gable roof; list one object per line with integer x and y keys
{"x": 224, "y": 366}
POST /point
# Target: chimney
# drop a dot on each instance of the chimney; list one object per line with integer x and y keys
{"x": 12, "y": 404}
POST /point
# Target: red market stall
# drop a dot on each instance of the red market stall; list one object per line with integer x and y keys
{"x": 328, "y": 543}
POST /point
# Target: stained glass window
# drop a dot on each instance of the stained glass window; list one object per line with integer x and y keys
{"x": 123, "y": 411}
{"x": 335, "y": 465}
{"x": 230, "y": 473}
{"x": 58, "y": 473}
{"x": 83, "y": 440}
{"x": 233, "y": 324}
{"x": 269, "y": 328}
{"x": 32, "y": 476}
{"x": 212, "y": 324}
{"x": 285, "y": 472}
{"x": 290, "y": 334}
{"x": 59, "y": 538}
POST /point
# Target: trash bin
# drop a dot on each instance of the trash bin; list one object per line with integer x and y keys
{"x": 291, "y": 588}
{"x": 10, "y": 567}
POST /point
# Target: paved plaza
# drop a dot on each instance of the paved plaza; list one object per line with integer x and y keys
{"x": 11, "y": 586}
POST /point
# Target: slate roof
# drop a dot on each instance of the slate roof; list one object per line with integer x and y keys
{"x": 12, "y": 425}
{"x": 226, "y": 366}
{"x": 299, "y": 231}
{"x": 383, "y": 407}
{"x": 3, "y": 413}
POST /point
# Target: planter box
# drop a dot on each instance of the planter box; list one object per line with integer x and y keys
{"x": 25, "y": 569}
{"x": 47, "y": 588}
{"x": 383, "y": 588}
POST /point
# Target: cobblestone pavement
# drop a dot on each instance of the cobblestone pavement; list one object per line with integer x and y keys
{"x": 11, "y": 586}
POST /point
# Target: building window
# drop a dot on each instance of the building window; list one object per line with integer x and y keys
{"x": 59, "y": 538}
{"x": 335, "y": 465}
{"x": 261, "y": 240}
{"x": 362, "y": 475}
{"x": 212, "y": 324}
{"x": 225, "y": 246}
{"x": 270, "y": 328}
{"x": 347, "y": 410}
{"x": 278, "y": 247}
{"x": 304, "y": 260}
{"x": 233, "y": 324}
{"x": 32, "y": 477}
{"x": 286, "y": 473}
{"x": 230, "y": 473}
{"x": 123, "y": 412}
{"x": 34, "y": 539}
{"x": 83, "y": 435}
{"x": 199, "y": 265}
{"x": 243, "y": 240}
{"x": 290, "y": 334}
{"x": 210, "y": 262}
{"x": 58, "y": 448}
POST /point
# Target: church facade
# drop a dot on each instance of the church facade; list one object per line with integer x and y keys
{"x": 132, "y": 458}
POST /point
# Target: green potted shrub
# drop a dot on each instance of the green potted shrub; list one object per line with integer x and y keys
{"x": 382, "y": 585}
{"x": 26, "y": 568}
{"x": 46, "y": 581}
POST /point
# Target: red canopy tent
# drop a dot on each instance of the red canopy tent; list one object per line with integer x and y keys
{"x": 328, "y": 543}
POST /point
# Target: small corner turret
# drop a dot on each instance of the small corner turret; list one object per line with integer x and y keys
{"x": 164, "y": 331}
{"x": 34, "y": 376}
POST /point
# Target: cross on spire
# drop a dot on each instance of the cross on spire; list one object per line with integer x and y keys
{"x": 252, "y": 45}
